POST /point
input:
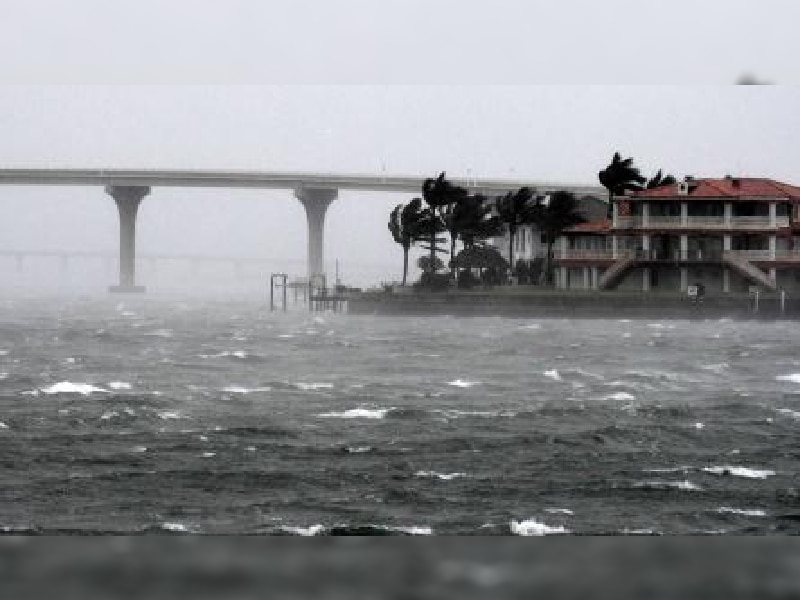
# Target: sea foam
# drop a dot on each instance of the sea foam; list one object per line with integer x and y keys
{"x": 442, "y": 476}
{"x": 746, "y": 512}
{"x": 532, "y": 527}
{"x": 740, "y": 472}
{"x": 357, "y": 413}
{"x": 67, "y": 387}
{"x": 792, "y": 377}
{"x": 463, "y": 384}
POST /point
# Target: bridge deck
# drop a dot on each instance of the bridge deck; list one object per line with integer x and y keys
{"x": 265, "y": 180}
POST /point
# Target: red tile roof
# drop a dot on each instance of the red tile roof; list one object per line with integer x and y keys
{"x": 729, "y": 187}
{"x": 591, "y": 227}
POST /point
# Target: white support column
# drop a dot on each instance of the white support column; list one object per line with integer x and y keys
{"x": 645, "y": 215}
{"x": 595, "y": 277}
{"x": 646, "y": 245}
{"x": 614, "y": 214}
{"x": 726, "y": 280}
{"x": 772, "y": 247}
{"x": 646, "y": 279}
{"x": 614, "y": 247}
{"x": 728, "y": 218}
{"x": 684, "y": 246}
{"x": 563, "y": 246}
{"x": 127, "y": 199}
{"x": 684, "y": 279}
{"x": 684, "y": 214}
{"x": 773, "y": 274}
{"x": 773, "y": 217}
{"x": 586, "y": 279}
{"x": 726, "y": 242}
{"x": 563, "y": 277}
{"x": 316, "y": 202}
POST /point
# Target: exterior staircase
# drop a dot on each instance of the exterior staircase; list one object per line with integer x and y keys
{"x": 749, "y": 270}
{"x": 615, "y": 273}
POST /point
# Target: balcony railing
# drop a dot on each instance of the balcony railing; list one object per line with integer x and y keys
{"x": 763, "y": 254}
{"x": 672, "y": 222}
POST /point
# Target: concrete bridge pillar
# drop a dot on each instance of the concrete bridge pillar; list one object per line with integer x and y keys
{"x": 128, "y": 199}
{"x": 316, "y": 202}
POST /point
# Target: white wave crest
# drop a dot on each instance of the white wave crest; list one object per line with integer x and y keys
{"x": 168, "y": 415}
{"x": 740, "y": 472}
{"x": 789, "y": 412}
{"x": 3, "y": 425}
{"x": 532, "y": 527}
{"x": 746, "y": 512}
{"x": 489, "y": 414}
{"x": 792, "y": 377}
{"x": 620, "y": 396}
{"x": 461, "y": 383}
{"x": 552, "y": 374}
{"x": 442, "y": 476}
{"x": 177, "y": 527}
{"x": 67, "y": 387}
{"x": 304, "y": 531}
{"x": 559, "y": 511}
{"x": 357, "y": 413}
{"x": 119, "y": 385}
{"x": 358, "y": 449}
{"x": 236, "y": 389}
{"x": 313, "y": 386}
{"x": 412, "y": 530}
{"x": 686, "y": 485}
{"x": 227, "y": 354}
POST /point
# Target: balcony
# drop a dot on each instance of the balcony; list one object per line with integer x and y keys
{"x": 719, "y": 223}
{"x": 761, "y": 255}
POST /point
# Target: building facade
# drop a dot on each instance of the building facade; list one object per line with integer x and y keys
{"x": 727, "y": 235}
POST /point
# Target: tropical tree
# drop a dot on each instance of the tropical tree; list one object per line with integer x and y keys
{"x": 560, "y": 212}
{"x": 406, "y": 224}
{"x": 439, "y": 194}
{"x": 479, "y": 223}
{"x": 516, "y": 209}
{"x": 658, "y": 180}
{"x": 619, "y": 176}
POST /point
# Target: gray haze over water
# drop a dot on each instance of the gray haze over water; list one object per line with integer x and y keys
{"x": 550, "y": 133}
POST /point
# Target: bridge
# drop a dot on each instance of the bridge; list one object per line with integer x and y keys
{"x": 315, "y": 191}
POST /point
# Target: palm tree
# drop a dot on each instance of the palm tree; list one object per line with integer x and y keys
{"x": 619, "y": 176}
{"x": 658, "y": 180}
{"x": 479, "y": 223}
{"x": 516, "y": 209}
{"x": 439, "y": 193}
{"x": 552, "y": 218}
{"x": 406, "y": 224}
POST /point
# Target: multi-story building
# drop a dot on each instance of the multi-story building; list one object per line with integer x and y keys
{"x": 528, "y": 240}
{"x": 726, "y": 234}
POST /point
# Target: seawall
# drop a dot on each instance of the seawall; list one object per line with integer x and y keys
{"x": 572, "y": 305}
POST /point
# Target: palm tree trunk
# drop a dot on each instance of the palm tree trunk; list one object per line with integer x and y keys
{"x": 511, "y": 249}
{"x": 433, "y": 240}
{"x": 452, "y": 251}
{"x": 405, "y": 265}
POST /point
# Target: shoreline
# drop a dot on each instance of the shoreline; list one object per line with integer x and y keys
{"x": 589, "y": 305}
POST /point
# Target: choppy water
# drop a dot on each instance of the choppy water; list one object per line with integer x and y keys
{"x": 213, "y": 417}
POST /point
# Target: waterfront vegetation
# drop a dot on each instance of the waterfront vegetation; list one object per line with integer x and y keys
{"x": 448, "y": 214}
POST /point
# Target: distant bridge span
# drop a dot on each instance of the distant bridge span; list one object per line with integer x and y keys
{"x": 315, "y": 191}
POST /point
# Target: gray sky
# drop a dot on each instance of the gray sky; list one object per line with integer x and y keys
{"x": 564, "y": 130}
{"x": 397, "y": 41}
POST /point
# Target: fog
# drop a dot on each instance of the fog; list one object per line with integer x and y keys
{"x": 482, "y": 118}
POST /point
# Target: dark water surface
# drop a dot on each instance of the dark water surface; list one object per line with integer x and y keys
{"x": 224, "y": 418}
